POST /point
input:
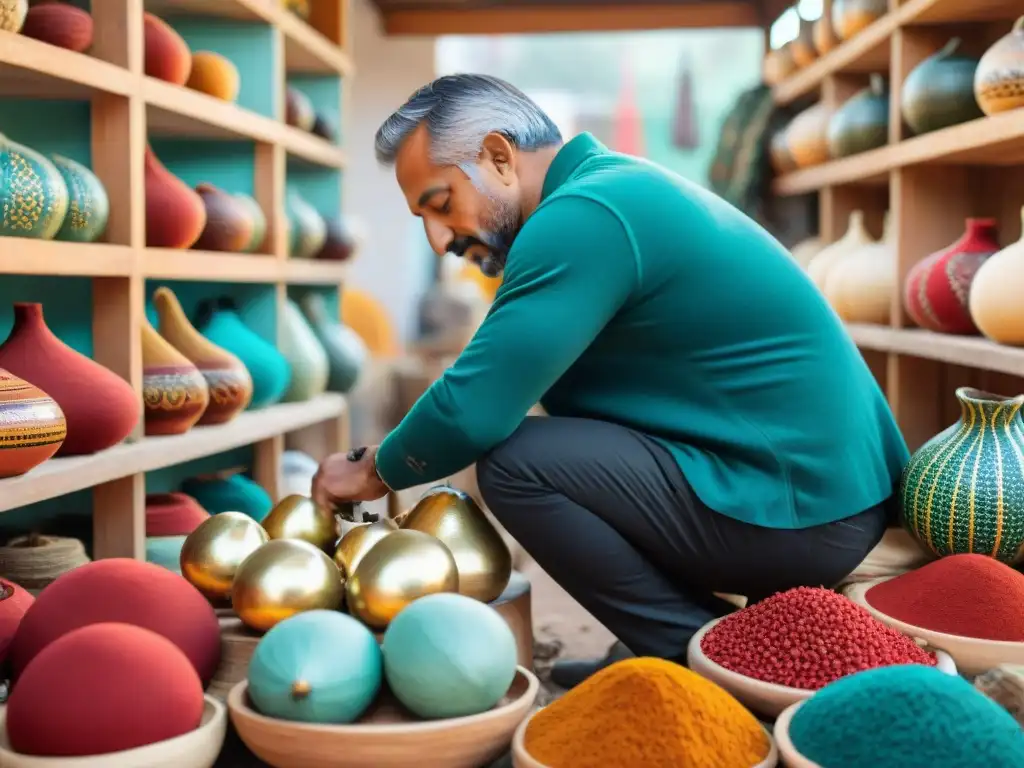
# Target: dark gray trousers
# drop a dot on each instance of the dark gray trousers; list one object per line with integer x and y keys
{"x": 608, "y": 514}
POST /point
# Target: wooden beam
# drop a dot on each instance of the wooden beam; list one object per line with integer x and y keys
{"x": 609, "y": 18}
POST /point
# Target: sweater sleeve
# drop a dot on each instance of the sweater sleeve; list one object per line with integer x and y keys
{"x": 572, "y": 267}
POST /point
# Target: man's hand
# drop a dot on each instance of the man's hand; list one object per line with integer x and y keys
{"x": 347, "y": 477}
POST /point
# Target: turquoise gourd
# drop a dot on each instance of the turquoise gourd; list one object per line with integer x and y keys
{"x": 448, "y": 655}
{"x": 33, "y": 195}
{"x": 236, "y": 493}
{"x": 305, "y": 354}
{"x": 316, "y": 667}
{"x": 346, "y": 352}
{"x": 88, "y": 205}
{"x": 165, "y": 551}
{"x": 270, "y": 372}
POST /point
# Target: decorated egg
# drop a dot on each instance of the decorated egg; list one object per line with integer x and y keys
{"x": 299, "y": 517}
{"x": 317, "y": 667}
{"x": 357, "y": 542}
{"x": 212, "y": 553}
{"x": 449, "y": 656}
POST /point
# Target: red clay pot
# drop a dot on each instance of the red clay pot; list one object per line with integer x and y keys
{"x": 173, "y": 514}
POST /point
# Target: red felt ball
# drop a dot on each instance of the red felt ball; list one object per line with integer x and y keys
{"x": 103, "y": 688}
{"x": 127, "y": 591}
{"x": 14, "y": 602}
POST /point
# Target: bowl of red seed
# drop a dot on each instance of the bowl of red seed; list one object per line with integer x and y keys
{"x": 968, "y": 605}
{"x": 782, "y": 649}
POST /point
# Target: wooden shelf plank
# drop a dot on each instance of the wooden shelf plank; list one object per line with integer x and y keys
{"x": 60, "y": 476}
{"x": 209, "y": 266}
{"x": 32, "y": 68}
{"x": 314, "y": 272}
{"x": 997, "y": 140}
{"x": 957, "y": 11}
{"x": 971, "y": 351}
{"x": 312, "y": 149}
{"x": 23, "y": 256}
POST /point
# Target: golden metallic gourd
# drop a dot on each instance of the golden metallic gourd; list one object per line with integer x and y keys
{"x": 402, "y": 567}
{"x": 212, "y": 553}
{"x": 299, "y": 517}
{"x": 357, "y": 542}
{"x": 282, "y": 578}
{"x": 483, "y": 559}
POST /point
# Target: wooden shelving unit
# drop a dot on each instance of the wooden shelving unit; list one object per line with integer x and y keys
{"x": 929, "y": 184}
{"x": 126, "y": 110}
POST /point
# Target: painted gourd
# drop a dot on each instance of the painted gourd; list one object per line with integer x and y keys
{"x": 963, "y": 490}
{"x": 12, "y": 15}
{"x": 778, "y": 65}
{"x": 174, "y": 392}
{"x": 856, "y": 237}
{"x": 862, "y": 123}
{"x": 32, "y": 425}
{"x": 221, "y": 324}
{"x": 781, "y": 158}
{"x": 995, "y": 299}
{"x": 88, "y": 205}
{"x": 167, "y": 55}
{"x": 101, "y": 408}
{"x": 259, "y": 223}
{"x": 825, "y": 37}
{"x": 214, "y": 75}
{"x": 339, "y": 244}
{"x": 317, "y": 667}
{"x": 304, "y": 353}
{"x": 861, "y": 286}
{"x": 229, "y": 382}
{"x": 59, "y": 24}
{"x": 298, "y": 109}
{"x": 939, "y": 92}
{"x": 807, "y": 136}
{"x": 175, "y": 215}
{"x": 806, "y": 250}
{"x": 33, "y": 195}
{"x": 346, "y": 352}
{"x": 851, "y": 16}
{"x": 229, "y": 223}
{"x": 234, "y": 493}
{"x": 999, "y": 79}
{"x": 308, "y": 230}
{"x": 937, "y": 290}
{"x": 804, "y": 52}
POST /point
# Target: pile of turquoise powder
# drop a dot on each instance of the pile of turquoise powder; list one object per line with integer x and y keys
{"x": 909, "y": 716}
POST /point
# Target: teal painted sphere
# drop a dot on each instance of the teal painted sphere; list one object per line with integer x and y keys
{"x": 317, "y": 667}
{"x": 449, "y": 655}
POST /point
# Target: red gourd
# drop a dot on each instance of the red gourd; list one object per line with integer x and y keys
{"x": 59, "y": 24}
{"x": 167, "y": 54}
{"x": 173, "y": 514}
{"x": 14, "y": 602}
{"x": 175, "y": 214}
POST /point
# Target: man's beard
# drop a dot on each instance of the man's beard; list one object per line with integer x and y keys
{"x": 496, "y": 241}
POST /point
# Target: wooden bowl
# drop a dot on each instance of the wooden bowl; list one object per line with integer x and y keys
{"x": 385, "y": 738}
{"x": 972, "y": 655}
{"x": 237, "y": 645}
{"x": 521, "y": 758}
{"x": 790, "y": 757}
{"x": 764, "y": 698}
{"x": 198, "y": 749}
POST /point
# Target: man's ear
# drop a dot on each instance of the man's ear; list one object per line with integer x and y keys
{"x": 497, "y": 152}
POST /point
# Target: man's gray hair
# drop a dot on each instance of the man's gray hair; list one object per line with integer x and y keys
{"x": 459, "y": 111}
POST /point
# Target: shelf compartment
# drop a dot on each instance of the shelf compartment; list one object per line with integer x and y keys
{"x": 24, "y": 256}
{"x": 970, "y": 351}
{"x": 33, "y": 68}
{"x": 61, "y": 476}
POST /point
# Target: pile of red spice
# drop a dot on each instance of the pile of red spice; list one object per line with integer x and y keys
{"x": 966, "y": 595}
{"x": 807, "y": 638}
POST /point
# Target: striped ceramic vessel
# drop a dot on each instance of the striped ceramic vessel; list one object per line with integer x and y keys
{"x": 32, "y": 425}
{"x": 963, "y": 490}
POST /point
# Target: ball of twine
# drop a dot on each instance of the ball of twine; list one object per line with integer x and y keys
{"x": 34, "y": 561}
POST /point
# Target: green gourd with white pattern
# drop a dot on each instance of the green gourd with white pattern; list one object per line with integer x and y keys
{"x": 33, "y": 195}
{"x": 88, "y": 205}
{"x": 963, "y": 490}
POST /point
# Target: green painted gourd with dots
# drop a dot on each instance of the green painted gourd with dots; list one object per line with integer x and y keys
{"x": 88, "y": 205}
{"x": 33, "y": 195}
{"x": 963, "y": 490}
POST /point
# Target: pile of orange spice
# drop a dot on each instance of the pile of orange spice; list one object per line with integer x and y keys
{"x": 647, "y": 713}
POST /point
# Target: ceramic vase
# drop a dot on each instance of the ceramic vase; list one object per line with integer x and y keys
{"x": 939, "y": 92}
{"x": 230, "y": 492}
{"x": 214, "y": 75}
{"x": 325, "y": 128}
{"x": 174, "y": 393}
{"x": 100, "y": 407}
{"x": 229, "y": 222}
{"x": 346, "y": 352}
{"x": 304, "y": 353}
{"x": 32, "y": 425}
{"x": 938, "y": 287}
{"x": 861, "y": 285}
{"x": 175, "y": 215}
{"x": 33, "y": 195}
{"x": 12, "y": 15}
{"x": 862, "y": 123}
{"x": 298, "y": 109}
{"x": 307, "y": 229}
{"x": 220, "y": 323}
{"x": 228, "y": 380}
{"x": 167, "y": 55}
{"x": 173, "y": 514}
{"x": 807, "y": 136}
{"x": 88, "y": 205}
{"x": 963, "y": 490}
{"x": 995, "y": 298}
{"x": 339, "y": 243}
{"x": 825, "y": 37}
{"x": 59, "y": 24}
{"x": 999, "y": 79}
{"x": 856, "y": 237}
{"x": 851, "y": 16}
{"x": 259, "y": 223}
{"x": 804, "y": 52}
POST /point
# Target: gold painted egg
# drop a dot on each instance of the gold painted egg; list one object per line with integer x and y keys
{"x": 212, "y": 553}
{"x": 357, "y": 542}
{"x": 299, "y": 517}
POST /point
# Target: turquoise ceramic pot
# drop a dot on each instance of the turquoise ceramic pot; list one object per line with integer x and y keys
{"x": 316, "y": 667}
{"x": 165, "y": 551}
{"x": 270, "y": 371}
{"x": 449, "y": 655}
{"x": 346, "y": 352}
{"x": 230, "y": 494}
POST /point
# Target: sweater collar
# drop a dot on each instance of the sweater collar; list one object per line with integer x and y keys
{"x": 570, "y": 157}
